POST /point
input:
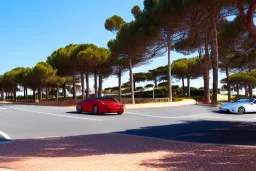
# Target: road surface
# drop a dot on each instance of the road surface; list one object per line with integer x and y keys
{"x": 189, "y": 123}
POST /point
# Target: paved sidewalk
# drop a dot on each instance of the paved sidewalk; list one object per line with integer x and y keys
{"x": 116, "y": 152}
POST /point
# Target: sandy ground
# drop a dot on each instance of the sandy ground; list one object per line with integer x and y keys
{"x": 222, "y": 97}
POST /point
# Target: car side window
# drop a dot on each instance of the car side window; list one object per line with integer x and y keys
{"x": 254, "y": 102}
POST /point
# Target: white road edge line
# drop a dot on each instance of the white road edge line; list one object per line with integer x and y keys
{"x": 5, "y": 135}
{"x": 52, "y": 114}
{"x": 165, "y": 117}
{"x": 2, "y": 108}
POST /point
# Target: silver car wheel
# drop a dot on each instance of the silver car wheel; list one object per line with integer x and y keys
{"x": 241, "y": 110}
{"x": 79, "y": 108}
{"x": 95, "y": 110}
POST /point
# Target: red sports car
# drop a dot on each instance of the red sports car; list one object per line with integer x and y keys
{"x": 100, "y": 106}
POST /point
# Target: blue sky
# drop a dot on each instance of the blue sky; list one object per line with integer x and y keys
{"x": 31, "y": 30}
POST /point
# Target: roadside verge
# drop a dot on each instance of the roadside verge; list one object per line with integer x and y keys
{"x": 163, "y": 104}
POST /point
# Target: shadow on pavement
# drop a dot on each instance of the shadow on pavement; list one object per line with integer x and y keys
{"x": 177, "y": 155}
{"x": 217, "y": 132}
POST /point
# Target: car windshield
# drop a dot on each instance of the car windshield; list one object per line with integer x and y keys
{"x": 244, "y": 100}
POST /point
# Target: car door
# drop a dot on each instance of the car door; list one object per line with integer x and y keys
{"x": 84, "y": 105}
{"x": 89, "y": 105}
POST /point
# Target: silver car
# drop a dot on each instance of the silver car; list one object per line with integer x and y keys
{"x": 240, "y": 106}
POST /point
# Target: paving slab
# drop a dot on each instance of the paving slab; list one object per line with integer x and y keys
{"x": 114, "y": 152}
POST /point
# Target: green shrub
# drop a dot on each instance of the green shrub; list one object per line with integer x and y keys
{"x": 22, "y": 97}
{"x": 198, "y": 98}
{"x": 196, "y": 92}
{"x": 139, "y": 88}
{"x": 176, "y": 99}
{"x": 149, "y": 86}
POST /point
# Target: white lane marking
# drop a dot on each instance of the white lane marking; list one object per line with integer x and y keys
{"x": 52, "y": 114}
{"x": 4, "y": 135}
{"x": 2, "y": 108}
{"x": 165, "y": 117}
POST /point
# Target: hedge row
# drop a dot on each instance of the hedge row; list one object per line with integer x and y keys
{"x": 162, "y": 93}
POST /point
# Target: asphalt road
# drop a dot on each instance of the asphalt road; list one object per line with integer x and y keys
{"x": 190, "y": 123}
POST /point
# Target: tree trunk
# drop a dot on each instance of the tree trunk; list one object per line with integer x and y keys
{"x": 246, "y": 90}
{"x": 183, "y": 86}
{"x": 155, "y": 82}
{"x": 47, "y": 92}
{"x": 207, "y": 98}
{"x": 57, "y": 94}
{"x": 131, "y": 81}
{"x": 215, "y": 61}
{"x": 64, "y": 90}
{"x": 237, "y": 89}
{"x": 120, "y": 86}
{"x": 39, "y": 93}
{"x": 169, "y": 66}
{"x": 87, "y": 85}
{"x": 24, "y": 92}
{"x": 14, "y": 93}
{"x": 2, "y": 94}
{"x": 228, "y": 84}
{"x": 82, "y": 82}
{"x": 250, "y": 90}
{"x": 100, "y": 85}
{"x": 96, "y": 84}
{"x": 247, "y": 20}
{"x": 188, "y": 82}
{"x": 250, "y": 85}
{"x": 74, "y": 86}
{"x": 34, "y": 95}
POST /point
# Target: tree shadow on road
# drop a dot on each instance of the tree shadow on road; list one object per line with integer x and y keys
{"x": 216, "y": 132}
{"x": 176, "y": 155}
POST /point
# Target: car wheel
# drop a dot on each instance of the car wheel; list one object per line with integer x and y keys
{"x": 95, "y": 110}
{"x": 241, "y": 110}
{"x": 79, "y": 108}
{"x": 119, "y": 113}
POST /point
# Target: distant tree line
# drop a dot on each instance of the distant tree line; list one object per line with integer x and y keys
{"x": 221, "y": 32}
